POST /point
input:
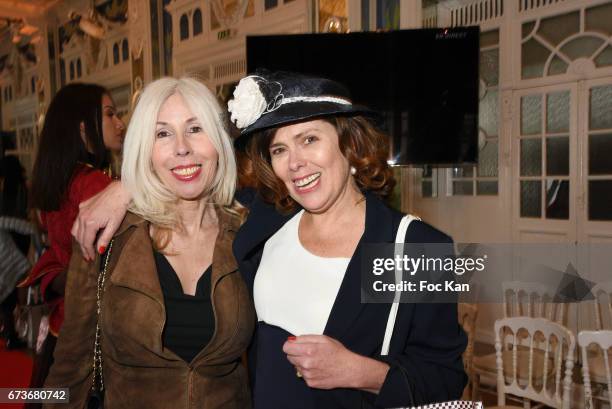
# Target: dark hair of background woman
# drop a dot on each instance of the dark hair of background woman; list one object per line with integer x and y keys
{"x": 14, "y": 200}
{"x": 61, "y": 148}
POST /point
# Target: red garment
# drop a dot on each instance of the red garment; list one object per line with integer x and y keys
{"x": 85, "y": 183}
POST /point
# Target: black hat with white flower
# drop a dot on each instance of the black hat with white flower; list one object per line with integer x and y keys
{"x": 271, "y": 99}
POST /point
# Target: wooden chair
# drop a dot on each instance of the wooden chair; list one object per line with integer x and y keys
{"x": 603, "y": 305}
{"x": 521, "y": 299}
{"x": 558, "y": 346}
{"x": 526, "y": 299}
{"x": 468, "y": 314}
{"x": 596, "y": 368}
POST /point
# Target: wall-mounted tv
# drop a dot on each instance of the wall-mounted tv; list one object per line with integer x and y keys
{"x": 424, "y": 83}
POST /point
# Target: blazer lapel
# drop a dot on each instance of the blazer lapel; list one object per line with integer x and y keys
{"x": 379, "y": 228}
{"x": 263, "y": 221}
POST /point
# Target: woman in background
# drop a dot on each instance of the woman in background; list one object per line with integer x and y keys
{"x": 81, "y": 126}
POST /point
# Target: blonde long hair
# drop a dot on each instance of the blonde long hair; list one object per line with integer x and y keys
{"x": 150, "y": 198}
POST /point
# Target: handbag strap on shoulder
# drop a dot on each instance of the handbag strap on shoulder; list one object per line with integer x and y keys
{"x": 98, "y": 379}
{"x": 400, "y": 238}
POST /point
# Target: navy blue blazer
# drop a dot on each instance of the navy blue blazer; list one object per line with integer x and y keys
{"x": 427, "y": 343}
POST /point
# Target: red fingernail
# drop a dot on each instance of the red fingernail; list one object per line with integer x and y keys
{"x": 101, "y": 249}
{"x": 291, "y": 338}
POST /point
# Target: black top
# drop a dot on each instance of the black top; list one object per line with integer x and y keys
{"x": 190, "y": 320}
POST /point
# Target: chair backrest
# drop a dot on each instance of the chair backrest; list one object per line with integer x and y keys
{"x": 603, "y": 305}
{"x": 530, "y": 299}
{"x": 603, "y": 339}
{"x": 468, "y": 313}
{"x": 536, "y": 336}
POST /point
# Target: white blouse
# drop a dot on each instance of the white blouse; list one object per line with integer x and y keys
{"x": 295, "y": 289}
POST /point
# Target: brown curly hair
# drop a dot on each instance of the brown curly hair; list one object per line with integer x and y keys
{"x": 365, "y": 147}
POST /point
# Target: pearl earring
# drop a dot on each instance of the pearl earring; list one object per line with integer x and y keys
{"x": 353, "y": 170}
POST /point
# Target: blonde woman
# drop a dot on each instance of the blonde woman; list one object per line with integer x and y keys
{"x": 176, "y": 314}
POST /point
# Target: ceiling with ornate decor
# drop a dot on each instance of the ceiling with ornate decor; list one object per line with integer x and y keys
{"x": 19, "y": 19}
{"x": 15, "y": 9}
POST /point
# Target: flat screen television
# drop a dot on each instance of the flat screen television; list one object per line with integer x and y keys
{"x": 423, "y": 82}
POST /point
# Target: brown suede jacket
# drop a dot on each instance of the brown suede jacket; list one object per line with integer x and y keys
{"x": 138, "y": 371}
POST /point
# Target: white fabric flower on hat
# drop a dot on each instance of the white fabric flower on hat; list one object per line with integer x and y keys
{"x": 248, "y": 103}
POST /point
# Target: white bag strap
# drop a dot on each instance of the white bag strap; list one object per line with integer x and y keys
{"x": 400, "y": 238}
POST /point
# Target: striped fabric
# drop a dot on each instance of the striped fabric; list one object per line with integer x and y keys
{"x": 13, "y": 264}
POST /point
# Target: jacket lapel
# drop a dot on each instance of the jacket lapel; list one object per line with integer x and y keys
{"x": 223, "y": 259}
{"x": 379, "y": 228}
{"x": 135, "y": 268}
{"x": 223, "y": 264}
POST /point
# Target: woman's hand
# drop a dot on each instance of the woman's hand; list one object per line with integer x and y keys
{"x": 104, "y": 212}
{"x": 325, "y": 363}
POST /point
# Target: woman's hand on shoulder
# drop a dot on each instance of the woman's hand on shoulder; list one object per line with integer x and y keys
{"x": 325, "y": 363}
{"x": 101, "y": 213}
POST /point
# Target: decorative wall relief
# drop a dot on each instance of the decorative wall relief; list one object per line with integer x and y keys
{"x": 137, "y": 35}
{"x": 137, "y": 76}
{"x": 20, "y": 58}
{"x": 229, "y": 12}
{"x": 28, "y": 53}
{"x": 72, "y": 37}
{"x": 332, "y": 16}
{"x": 115, "y": 11}
{"x": 86, "y": 33}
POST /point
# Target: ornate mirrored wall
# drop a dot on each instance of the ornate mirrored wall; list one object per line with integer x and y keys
{"x": 210, "y": 37}
{"x": 20, "y": 91}
{"x": 94, "y": 44}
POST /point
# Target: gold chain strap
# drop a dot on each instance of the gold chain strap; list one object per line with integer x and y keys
{"x": 97, "y": 361}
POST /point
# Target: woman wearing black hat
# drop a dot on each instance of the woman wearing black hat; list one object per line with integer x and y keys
{"x": 320, "y": 170}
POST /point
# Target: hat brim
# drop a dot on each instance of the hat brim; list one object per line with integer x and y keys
{"x": 300, "y": 112}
